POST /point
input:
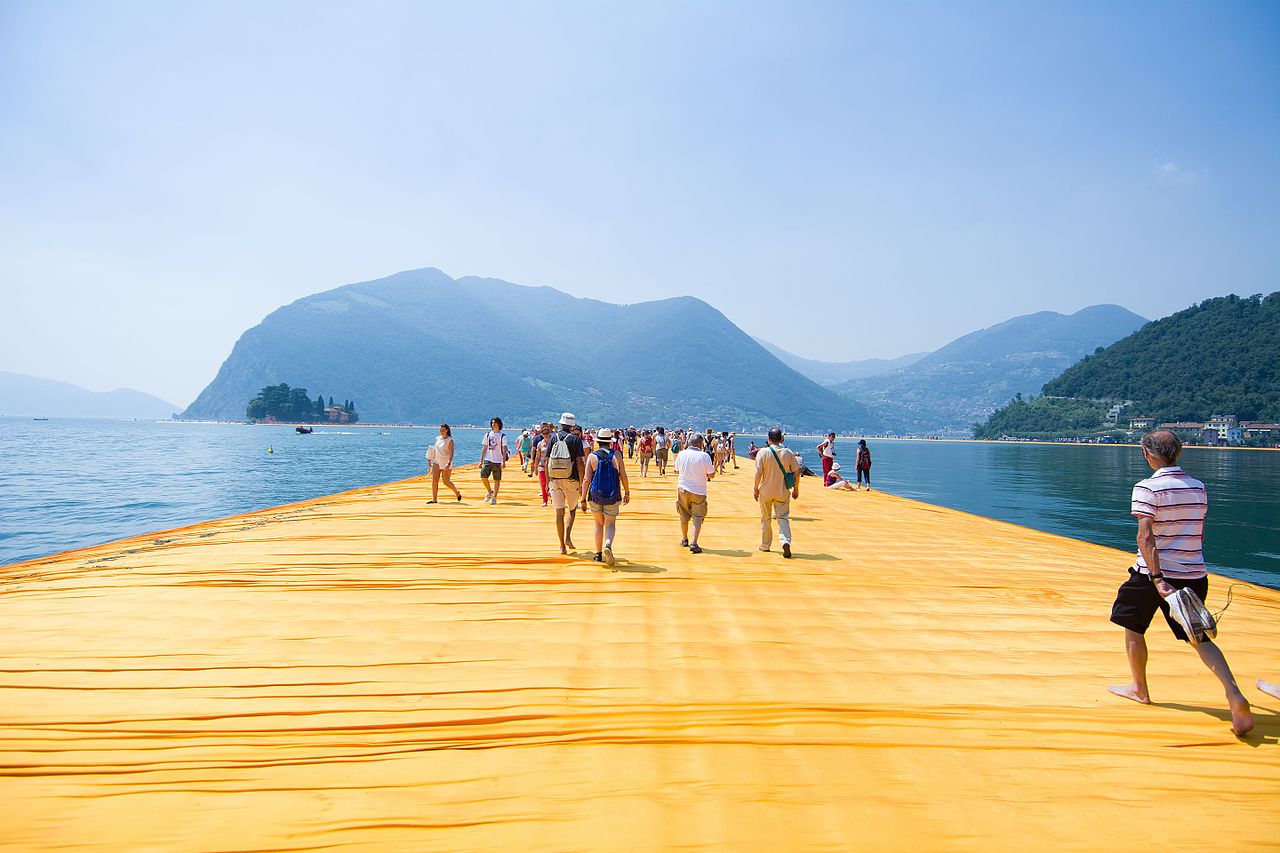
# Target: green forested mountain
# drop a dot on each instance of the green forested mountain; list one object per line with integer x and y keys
{"x": 1219, "y": 357}
{"x": 421, "y": 347}
{"x": 1044, "y": 418}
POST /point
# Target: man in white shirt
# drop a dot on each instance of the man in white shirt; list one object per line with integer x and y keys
{"x": 693, "y": 469}
{"x": 494, "y": 453}
{"x": 827, "y": 451}
{"x": 1170, "y": 506}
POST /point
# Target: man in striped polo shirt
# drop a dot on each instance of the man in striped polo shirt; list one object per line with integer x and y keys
{"x": 1170, "y": 506}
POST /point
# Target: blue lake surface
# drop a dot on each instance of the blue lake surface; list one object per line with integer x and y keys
{"x": 68, "y": 483}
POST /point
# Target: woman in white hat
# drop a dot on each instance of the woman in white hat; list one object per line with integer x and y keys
{"x": 833, "y": 480}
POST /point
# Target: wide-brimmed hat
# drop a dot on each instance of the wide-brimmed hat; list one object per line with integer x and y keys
{"x": 835, "y": 466}
{"x": 567, "y": 419}
{"x": 605, "y": 435}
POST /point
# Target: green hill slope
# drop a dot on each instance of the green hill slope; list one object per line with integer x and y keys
{"x": 421, "y": 347}
{"x": 1219, "y": 357}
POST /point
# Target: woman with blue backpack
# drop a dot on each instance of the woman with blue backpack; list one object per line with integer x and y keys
{"x": 604, "y": 490}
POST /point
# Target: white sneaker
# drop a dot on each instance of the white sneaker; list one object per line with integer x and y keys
{"x": 608, "y": 555}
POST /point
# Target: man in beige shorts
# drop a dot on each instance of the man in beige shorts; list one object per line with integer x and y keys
{"x": 694, "y": 469}
{"x": 565, "y": 490}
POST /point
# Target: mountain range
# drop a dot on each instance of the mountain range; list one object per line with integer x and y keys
{"x": 35, "y": 397}
{"x": 951, "y": 388}
{"x": 422, "y": 347}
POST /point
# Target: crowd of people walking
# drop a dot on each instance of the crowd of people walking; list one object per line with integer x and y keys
{"x": 587, "y": 470}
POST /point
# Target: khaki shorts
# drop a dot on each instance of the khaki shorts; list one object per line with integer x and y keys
{"x": 690, "y": 505}
{"x": 610, "y": 510}
{"x": 491, "y": 469}
{"x": 661, "y": 453}
{"x": 565, "y": 494}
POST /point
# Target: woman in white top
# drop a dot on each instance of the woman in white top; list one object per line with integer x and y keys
{"x": 440, "y": 455}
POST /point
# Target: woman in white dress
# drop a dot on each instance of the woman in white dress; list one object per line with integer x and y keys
{"x": 440, "y": 455}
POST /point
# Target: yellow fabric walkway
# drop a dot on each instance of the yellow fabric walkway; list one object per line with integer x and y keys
{"x": 364, "y": 671}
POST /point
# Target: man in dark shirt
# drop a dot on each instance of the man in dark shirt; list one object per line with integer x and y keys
{"x": 565, "y": 491}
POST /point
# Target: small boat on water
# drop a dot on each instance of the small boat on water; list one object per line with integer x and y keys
{"x": 303, "y": 430}
{"x": 39, "y": 419}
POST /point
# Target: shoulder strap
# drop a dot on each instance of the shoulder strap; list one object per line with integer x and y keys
{"x": 778, "y": 459}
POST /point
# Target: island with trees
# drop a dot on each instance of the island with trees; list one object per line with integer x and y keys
{"x": 282, "y": 404}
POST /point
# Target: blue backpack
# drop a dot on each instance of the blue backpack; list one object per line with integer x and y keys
{"x": 605, "y": 488}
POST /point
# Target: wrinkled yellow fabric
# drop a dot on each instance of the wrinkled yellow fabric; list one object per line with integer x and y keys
{"x": 366, "y": 671}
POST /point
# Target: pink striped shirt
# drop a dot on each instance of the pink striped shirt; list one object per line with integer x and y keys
{"x": 1177, "y": 503}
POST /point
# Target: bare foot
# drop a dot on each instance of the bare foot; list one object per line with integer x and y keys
{"x": 1241, "y": 717}
{"x": 1269, "y": 688}
{"x": 1130, "y": 691}
{"x": 569, "y": 545}
{"x": 564, "y": 551}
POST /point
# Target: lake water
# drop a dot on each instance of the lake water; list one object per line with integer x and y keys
{"x": 68, "y": 483}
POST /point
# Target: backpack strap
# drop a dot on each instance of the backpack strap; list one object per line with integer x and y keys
{"x": 785, "y": 472}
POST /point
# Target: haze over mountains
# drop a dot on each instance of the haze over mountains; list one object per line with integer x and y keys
{"x": 31, "y": 396}
{"x": 836, "y": 372}
{"x": 948, "y": 390}
{"x": 421, "y": 347}
{"x": 960, "y": 384}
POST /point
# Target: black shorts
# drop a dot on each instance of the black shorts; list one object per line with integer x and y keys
{"x": 1137, "y": 602}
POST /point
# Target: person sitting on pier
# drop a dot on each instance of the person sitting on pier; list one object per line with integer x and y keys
{"x": 1170, "y": 506}
{"x": 833, "y": 480}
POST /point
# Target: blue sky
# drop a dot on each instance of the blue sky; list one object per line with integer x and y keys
{"x": 848, "y": 180}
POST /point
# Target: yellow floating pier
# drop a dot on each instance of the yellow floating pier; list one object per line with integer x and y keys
{"x": 365, "y": 671}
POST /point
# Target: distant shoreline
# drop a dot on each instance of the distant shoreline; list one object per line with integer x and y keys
{"x": 871, "y": 438}
{"x": 752, "y": 435}
{"x": 313, "y": 424}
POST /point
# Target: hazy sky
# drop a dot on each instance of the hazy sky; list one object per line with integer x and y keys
{"x": 846, "y": 180}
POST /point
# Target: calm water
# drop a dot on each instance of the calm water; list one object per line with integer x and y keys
{"x": 69, "y": 483}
